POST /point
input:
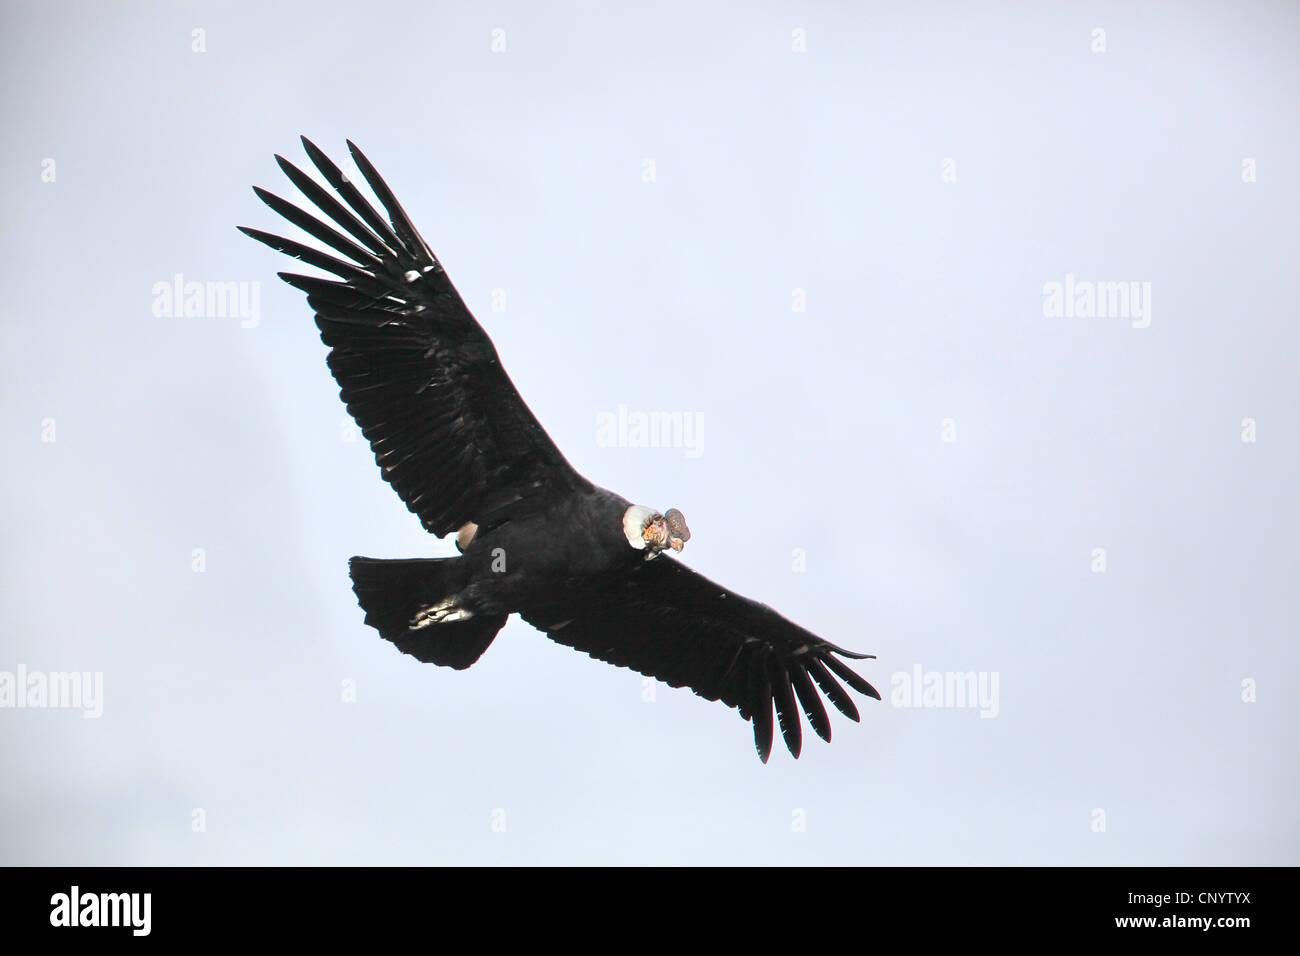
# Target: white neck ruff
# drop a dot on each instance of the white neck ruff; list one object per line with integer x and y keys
{"x": 634, "y": 520}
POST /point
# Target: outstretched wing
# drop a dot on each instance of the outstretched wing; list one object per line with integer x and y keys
{"x": 668, "y": 622}
{"x": 419, "y": 375}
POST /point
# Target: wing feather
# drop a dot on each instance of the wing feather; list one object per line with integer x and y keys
{"x": 812, "y": 704}
{"x": 760, "y": 693}
{"x": 666, "y": 621}
{"x": 786, "y": 712}
{"x": 416, "y": 371}
{"x": 833, "y": 689}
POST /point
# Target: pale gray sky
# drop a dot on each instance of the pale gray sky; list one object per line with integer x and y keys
{"x": 943, "y": 455}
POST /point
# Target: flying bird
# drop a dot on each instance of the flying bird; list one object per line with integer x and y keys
{"x": 450, "y": 433}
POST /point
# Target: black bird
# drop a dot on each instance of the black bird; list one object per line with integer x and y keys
{"x": 458, "y": 444}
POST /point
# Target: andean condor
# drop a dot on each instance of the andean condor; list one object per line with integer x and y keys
{"x": 458, "y": 444}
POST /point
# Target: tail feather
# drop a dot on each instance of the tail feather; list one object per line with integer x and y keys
{"x": 392, "y": 593}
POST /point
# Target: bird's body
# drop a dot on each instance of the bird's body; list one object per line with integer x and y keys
{"x": 458, "y": 444}
{"x": 533, "y": 561}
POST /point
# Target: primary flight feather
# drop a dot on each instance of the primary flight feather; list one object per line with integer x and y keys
{"x": 455, "y": 440}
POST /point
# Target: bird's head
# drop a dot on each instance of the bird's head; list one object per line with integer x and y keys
{"x": 648, "y": 530}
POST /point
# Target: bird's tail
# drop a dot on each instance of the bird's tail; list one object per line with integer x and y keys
{"x": 412, "y": 603}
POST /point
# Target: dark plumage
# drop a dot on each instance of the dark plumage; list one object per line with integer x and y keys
{"x": 458, "y": 444}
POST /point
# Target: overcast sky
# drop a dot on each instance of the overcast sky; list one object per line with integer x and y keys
{"x": 864, "y": 238}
